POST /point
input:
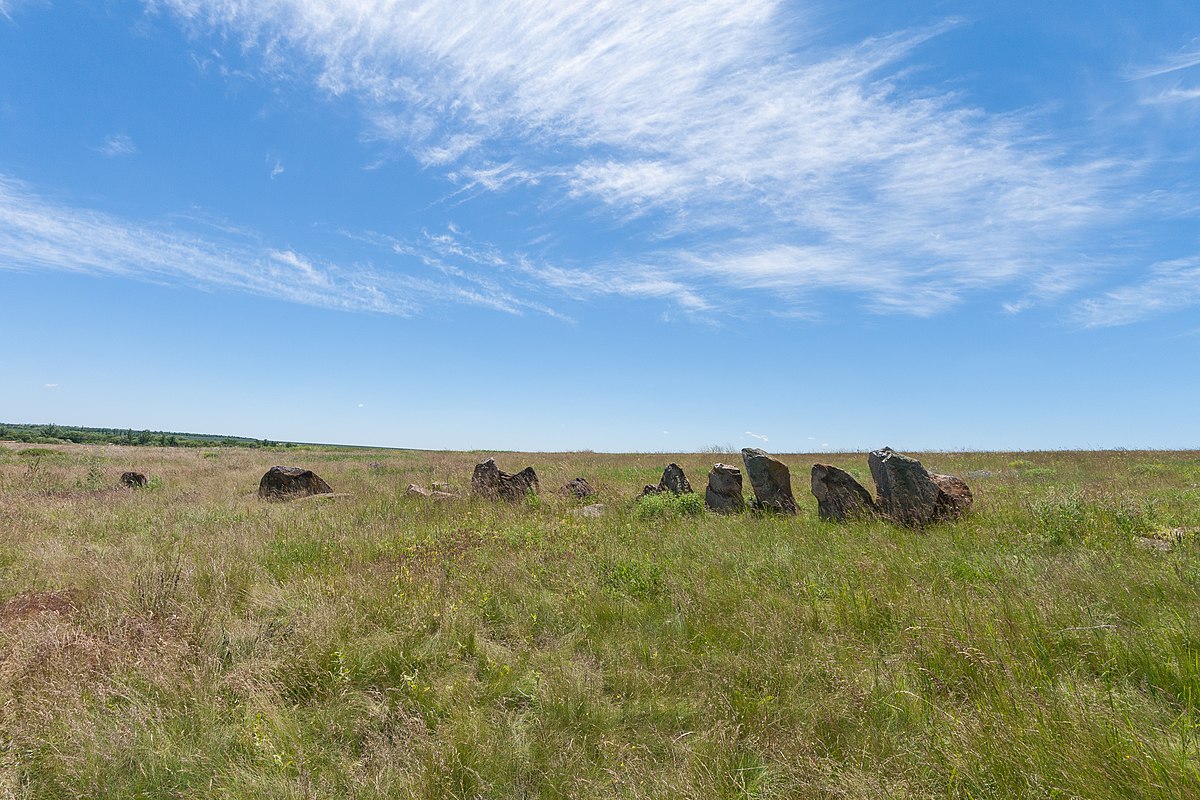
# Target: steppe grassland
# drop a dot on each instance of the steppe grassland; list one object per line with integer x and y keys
{"x": 189, "y": 640}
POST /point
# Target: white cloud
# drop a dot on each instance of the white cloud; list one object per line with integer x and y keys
{"x": 806, "y": 168}
{"x": 277, "y": 170}
{"x": 1176, "y": 62}
{"x": 117, "y": 144}
{"x": 1171, "y": 285}
{"x": 50, "y": 386}
{"x": 759, "y": 436}
{"x": 36, "y": 234}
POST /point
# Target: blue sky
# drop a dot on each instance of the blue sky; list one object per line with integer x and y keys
{"x": 605, "y": 225}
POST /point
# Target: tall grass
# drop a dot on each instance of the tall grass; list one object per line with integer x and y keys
{"x": 188, "y": 640}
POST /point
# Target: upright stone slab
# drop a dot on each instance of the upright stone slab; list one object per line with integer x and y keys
{"x": 490, "y": 481}
{"x": 909, "y": 495}
{"x": 724, "y": 492}
{"x": 771, "y": 480}
{"x": 288, "y": 483}
{"x": 839, "y": 496}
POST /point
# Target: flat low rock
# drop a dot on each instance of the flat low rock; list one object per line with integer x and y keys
{"x": 724, "y": 492}
{"x": 840, "y": 498}
{"x": 592, "y": 511}
{"x": 287, "y": 483}
{"x": 490, "y": 481}
{"x": 771, "y": 481}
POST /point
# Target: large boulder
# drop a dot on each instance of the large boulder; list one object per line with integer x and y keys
{"x": 490, "y": 481}
{"x": 286, "y": 483}
{"x": 771, "y": 480}
{"x": 673, "y": 480}
{"x": 910, "y": 495}
{"x": 839, "y": 496}
{"x": 724, "y": 492}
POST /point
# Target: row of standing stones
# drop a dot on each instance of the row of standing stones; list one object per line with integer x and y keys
{"x": 906, "y": 493}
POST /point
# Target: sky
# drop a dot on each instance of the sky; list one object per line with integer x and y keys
{"x": 620, "y": 226}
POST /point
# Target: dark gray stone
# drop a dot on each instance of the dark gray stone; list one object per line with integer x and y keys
{"x": 910, "y": 495}
{"x": 490, "y": 481}
{"x": 133, "y": 479}
{"x": 724, "y": 492}
{"x": 286, "y": 483}
{"x": 839, "y": 496}
{"x": 673, "y": 480}
{"x": 578, "y": 488}
{"x": 771, "y": 481}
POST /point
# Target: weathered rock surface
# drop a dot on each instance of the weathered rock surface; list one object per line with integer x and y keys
{"x": 771, "y": 480}
{"x": 133, "y": 479}
{"x": 839, "y": 496}
{"x": 954, "y": 496}
{"x": 673, "y": 480}
{"x": 594, "y": 510}
{"x": 436, "y": 493}
{"x": 285, "y": 483}
{"x": 724, "y": 492}
{"x": 578, "y": 488}
{"x": 910, "y": 495}
{"x": 490, "y": 481}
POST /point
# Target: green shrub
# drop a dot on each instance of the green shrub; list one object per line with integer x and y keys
{"x": 666, "y": 504}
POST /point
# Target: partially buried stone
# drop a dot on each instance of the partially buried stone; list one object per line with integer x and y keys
{"x": 724, "y": 492}
{"x": 285, "y": 483}
{"x": 579, "y": 488}
{"x": 771, "y": 480}
{"x": 839, "y": 496}
{"x": 954, "y": 496}
{"x": 133, "y": 479}
{"x": 490, "y": 481}
{"x": 673, "y": 480}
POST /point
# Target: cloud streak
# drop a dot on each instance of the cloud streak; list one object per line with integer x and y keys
{"x": 766, "y": 164}
{"x": 37, "y": 234}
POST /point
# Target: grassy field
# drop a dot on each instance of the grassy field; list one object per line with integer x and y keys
{"x": 189, "y": 640}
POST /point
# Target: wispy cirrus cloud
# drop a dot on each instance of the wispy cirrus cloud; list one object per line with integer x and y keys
{"x": 39, "y": 234}
{"x": 768, "y": 163}
{"x": 116, "y": 145}
{"x": 1170, "y": 286}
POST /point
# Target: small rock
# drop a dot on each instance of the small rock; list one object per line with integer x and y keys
{"x": 954, "y": 496}
{"x": 133, "y": 479}
{"x": 673, "y": 480}
{"x": 771, "y": 480}
{"x": 724, "y": 492}
{"x": 447, "y": 488}
{"x": 417, "y": 491}
{"x": 839, "y": 496}
{"x": 594, "y": 510}
{"x": 490, "y": 481}
{"x": 579, "y": 487}
{"x": 285, "y": 483}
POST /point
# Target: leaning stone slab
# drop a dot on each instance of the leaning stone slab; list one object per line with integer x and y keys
{"x": 910, "y": 495}
{"x": 288, "y": 483}
{"x": 771, "y": 480}
{"x": 840, "y": 497}
{"x": 724, "y": 492}
{"x": 673, "y": 480}
{"x": 490, "y": 481}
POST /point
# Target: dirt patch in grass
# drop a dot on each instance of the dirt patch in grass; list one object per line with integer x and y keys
{"x": 64, "y": 602}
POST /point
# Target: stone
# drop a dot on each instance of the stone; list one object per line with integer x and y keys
{"x": 954, "y": 496}
{"x": 724, "y": 492}
{"x": 579, "y": 488}
{"x": 594, "y": 510}
{"x": 840, "y": 497}
{"x": 417, "y": 491}
{"x": 133, "y": 479}
{"x": 910, "y": 495}
{"x": 673, "y": 480}
{"x": 285, "y": 483}
{"x": 490, "y": 481}
{"x": 771, "y": 481}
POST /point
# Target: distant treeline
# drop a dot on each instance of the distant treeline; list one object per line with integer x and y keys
{"x": 67, "y": 434}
